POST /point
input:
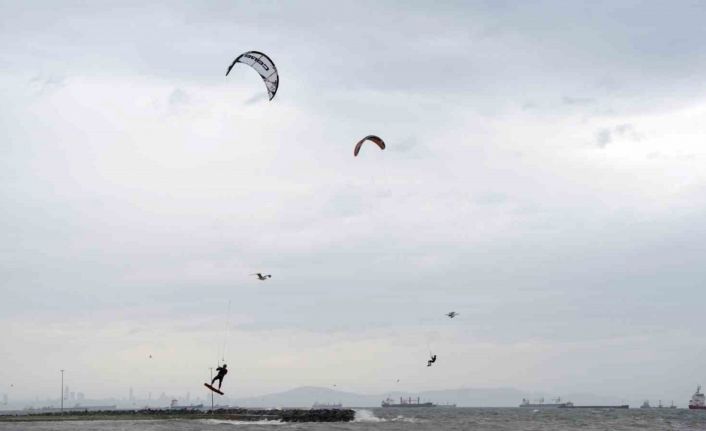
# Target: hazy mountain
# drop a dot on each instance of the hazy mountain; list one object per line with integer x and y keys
{"x": 306, "y": 396}
{"x": 464, "y": 397}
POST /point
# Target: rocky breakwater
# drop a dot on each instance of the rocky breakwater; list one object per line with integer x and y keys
{"x": 239, "y": 414}
{"x": 318, "y": 415}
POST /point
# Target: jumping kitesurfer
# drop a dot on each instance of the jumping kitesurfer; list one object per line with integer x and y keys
{"x": 222, "y": 371}
{"x": 431, "y": 361}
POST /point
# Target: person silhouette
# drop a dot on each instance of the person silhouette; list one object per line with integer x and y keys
{"x": 222, "y": 371}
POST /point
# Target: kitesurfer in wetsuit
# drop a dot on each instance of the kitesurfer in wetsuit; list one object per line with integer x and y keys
{"x": 431, "y": 361}
{"x": 222, "y": 371}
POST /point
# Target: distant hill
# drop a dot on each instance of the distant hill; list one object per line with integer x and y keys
{"x": 306, "y": 396}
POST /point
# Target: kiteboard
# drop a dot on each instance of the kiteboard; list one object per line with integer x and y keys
{"x": 213, "y": 389}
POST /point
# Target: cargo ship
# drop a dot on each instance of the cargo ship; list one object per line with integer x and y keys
{"x": 409, "y": 402}
{"x": 698, "y": 401}
{"x": 175, "y": 406}
{"x": 620, "y": 406}
{"x": 567, "y": 405}
{"x": 540, "y": 404}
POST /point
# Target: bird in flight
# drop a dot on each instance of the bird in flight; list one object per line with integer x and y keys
{"x": 452, "y": 314}
{"x": 262, "y": 277}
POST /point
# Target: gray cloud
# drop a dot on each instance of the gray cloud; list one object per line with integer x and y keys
{"x": 178, "y": 97}
{"x": 127, "y": 223}
{"x": 256, "y": 98}
{"x": 492, "y": 198}
{"x": 606, "y": 136}
{"x": 580, "y": 101}
{"x": 43, "y": 85}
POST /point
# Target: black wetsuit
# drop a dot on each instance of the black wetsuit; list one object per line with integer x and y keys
{"x": 222, "y": 371}
{"x": 431, "y": 361}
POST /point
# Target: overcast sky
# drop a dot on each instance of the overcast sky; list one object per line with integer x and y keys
{"x": 544, "y": 177}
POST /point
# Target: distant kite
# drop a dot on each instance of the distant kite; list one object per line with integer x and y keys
{"x": 262, "y": 65}
{"x": 372, "y": 138}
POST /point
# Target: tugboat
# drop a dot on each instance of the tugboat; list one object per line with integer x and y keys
{"x": 698, "y": 401}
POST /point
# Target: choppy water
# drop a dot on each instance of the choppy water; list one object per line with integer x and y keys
{"x": 423, "y": 419}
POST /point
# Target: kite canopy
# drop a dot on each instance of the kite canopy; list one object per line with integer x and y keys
{"x": 371, "y": 138}
{"x": 262, "y": 65}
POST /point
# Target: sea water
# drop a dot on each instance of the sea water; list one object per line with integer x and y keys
{"x": 422, "y": 419}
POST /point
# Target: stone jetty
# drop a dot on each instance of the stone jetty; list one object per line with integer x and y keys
{"x": 235, "y": 414}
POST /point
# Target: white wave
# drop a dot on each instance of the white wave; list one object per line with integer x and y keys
{"x": 401, "y": 418}
{"x": 366, "y": 416}
{"x": 363, "y": 415}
